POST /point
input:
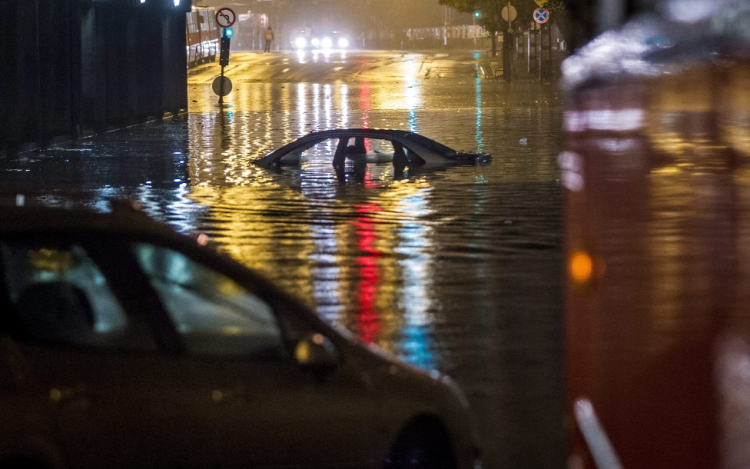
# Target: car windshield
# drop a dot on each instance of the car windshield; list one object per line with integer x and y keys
{"x": 214, "y": 314}
{"x": 429, "y": 143}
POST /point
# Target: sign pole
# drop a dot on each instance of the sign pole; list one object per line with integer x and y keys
{"x": 508, "y": 14}
{"x": 510, "y": 19}
{"x": 221, "y": 87}
{"x": 225, "y": 18}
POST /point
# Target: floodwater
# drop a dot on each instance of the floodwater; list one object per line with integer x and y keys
{"x": 455, "y": 269}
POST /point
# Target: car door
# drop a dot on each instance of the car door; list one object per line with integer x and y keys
{"x": 95, "y": 360}
{"x": 266, "y": 410}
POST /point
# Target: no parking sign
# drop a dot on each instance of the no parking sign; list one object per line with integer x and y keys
{"x": 541, "y": 15}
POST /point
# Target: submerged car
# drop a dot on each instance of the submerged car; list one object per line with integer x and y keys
{"x": 401, "y": 147}
{"x": 124, "y": 344}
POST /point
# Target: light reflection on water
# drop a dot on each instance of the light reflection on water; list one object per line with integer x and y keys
{"x": 416, "y": 265}
{"x": 374, "y": 276}
{"x": 454, "y": 269}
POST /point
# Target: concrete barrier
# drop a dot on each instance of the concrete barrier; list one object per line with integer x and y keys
{"x": 76, "y": 67}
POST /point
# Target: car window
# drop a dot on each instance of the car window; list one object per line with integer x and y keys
{"x": 59, "y": 294}
{"x": 316, "y": 151}
{"x": 369, "y": 149}
{"x": 358, "y": 149}
{"x": 214, "y": 314}
{"x": 377, "y": 150}
{"x": 431, "y": 144}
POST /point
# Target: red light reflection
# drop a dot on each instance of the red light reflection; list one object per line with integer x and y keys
{"x": 369, "y": 271}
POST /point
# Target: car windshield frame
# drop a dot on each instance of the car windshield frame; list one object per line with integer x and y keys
{"x": 413, "y": 142}
{"x": 429, "y": 143}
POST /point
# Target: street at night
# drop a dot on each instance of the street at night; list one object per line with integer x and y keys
{"x": 432, "y": 234}
{"x": 455, "y": 269}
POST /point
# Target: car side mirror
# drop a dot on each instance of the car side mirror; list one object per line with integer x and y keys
{"x": 316, "y": 351}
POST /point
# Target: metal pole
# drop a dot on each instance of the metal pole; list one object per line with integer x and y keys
{"x": 528, "y": 51}
{"x": 510, "y": 19}
{"x": 507, "y": 59}
{"x": 445, "y": 26}
{"x": 221, "y": 87}
{"x": 474, "y": 28}
{"x": 38, "y": 75}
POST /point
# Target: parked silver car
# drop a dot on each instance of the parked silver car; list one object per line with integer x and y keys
{"x": 124, "y": 344}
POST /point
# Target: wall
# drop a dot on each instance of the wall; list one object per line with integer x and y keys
{"x": 69, "y": 68}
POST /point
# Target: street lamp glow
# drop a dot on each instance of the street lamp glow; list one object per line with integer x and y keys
{"x": 581, "y": 267}
{"x": 176, "y": 3}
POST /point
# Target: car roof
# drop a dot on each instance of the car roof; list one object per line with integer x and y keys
{"x": 124, "y": 217}
{"x": 404, "y": 137}
{"x": 359, "y": 132}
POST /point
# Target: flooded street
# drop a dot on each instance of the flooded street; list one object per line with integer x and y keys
{"x": 456, "y": 269}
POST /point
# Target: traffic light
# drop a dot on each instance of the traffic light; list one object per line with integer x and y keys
{"x": 224, "y": 54}
{"x": 228, "y": 32}
{"x": 477, "y": 14}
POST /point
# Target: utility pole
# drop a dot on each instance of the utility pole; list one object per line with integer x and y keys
{"x": 445, "y": 26}
{"x": 509, "y": 14}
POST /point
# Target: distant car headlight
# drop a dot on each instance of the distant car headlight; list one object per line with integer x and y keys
{"x": 343, "y": 43}
{"x": 326, "y": 43}
{"x": 315, "y": 42}
{"x": 300, "y": 43}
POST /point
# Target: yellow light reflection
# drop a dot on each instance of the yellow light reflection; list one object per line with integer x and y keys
{"x": 680, "y": 121}
{"x": 734, "y": 109}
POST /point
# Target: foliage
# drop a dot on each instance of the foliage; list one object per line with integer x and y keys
{"x": 555, "y": 7}
{"x": 490, "y": 11}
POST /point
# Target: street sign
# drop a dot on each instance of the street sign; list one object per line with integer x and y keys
{"x": 225, "y": 17}
{"x": 222, "y": 86}
{"x": 509, "y": 13}
{"x": 541, "y": 15}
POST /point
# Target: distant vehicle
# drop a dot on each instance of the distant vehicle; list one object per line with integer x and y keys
{"x": 124, "y": 344}
{"x": 326, "y": 41}
{"x": 300, "y": 41}
{"x": 401, "y": 147}
{"x": 202, "y": 36}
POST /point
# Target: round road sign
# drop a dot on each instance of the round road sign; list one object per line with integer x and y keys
{"x": 225, "y": 17}
{"x": 541, "y": 15}
{"x": 509, "y": 13}
{"x": 222, "y": 86}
